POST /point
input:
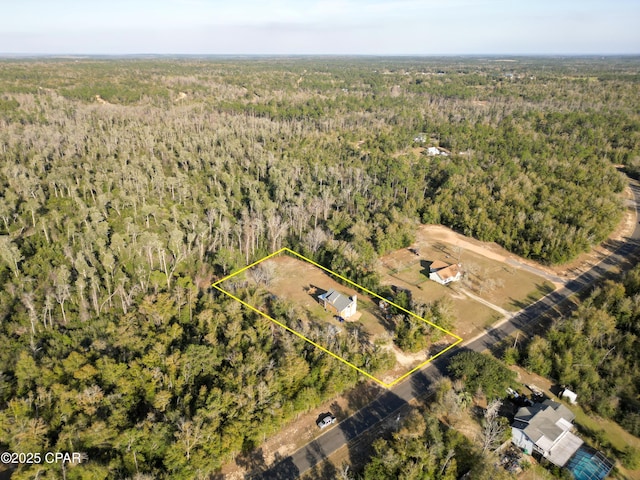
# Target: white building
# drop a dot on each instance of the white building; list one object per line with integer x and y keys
{"x": 444, "y": 273}
{"x": 569, "y": 395}
{"x": 343, "y": 306}
{"x": 545, "y": 428}
{"x": 434, "y": 151}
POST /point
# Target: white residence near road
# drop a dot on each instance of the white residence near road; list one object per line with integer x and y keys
{"x": 545, "y": 428}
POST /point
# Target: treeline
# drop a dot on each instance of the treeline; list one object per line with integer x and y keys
{"x": 116, "y": 215}
{"x": 425, "y": 448}
{"x": 595, "y": 351}
{"x": 410, "y": 333}
{"x": 173, "y": 390}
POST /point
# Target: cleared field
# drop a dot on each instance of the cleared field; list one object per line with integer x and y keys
{"x": 368, "y": 333}
{"x": 493, "y": 285}
{"x": 309, "y": 282}
{"x": 471, "y": 317}
{"x": 486, "y": 274}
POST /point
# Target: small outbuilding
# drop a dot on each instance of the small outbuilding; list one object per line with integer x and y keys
{"x": 572, "y": 397}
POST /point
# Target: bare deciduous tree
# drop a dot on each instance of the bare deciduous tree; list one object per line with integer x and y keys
{"x": 493, "y": 426}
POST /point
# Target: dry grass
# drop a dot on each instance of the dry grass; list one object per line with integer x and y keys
{"x": 301, "y": 283}
{"x": 486, "y": 274}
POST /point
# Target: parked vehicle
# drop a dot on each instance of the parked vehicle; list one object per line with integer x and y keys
{"x": 325, "y": 420}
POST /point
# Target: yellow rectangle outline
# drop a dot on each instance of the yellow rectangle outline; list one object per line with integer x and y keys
{"x": 288, "y": 250}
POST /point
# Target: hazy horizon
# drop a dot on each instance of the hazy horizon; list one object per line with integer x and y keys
{"x": 495, "y": 56}
{"x": 333, "y": 27}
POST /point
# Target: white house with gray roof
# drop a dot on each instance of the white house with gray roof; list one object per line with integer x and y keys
{"x": 343, "y": 305}
{"x": 545, "y": 428}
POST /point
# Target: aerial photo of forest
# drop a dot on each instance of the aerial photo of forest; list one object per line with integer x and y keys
{"x": 129, "y": 186}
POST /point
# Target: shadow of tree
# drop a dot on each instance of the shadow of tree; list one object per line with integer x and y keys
{"x": 252, "y": 461}
{"x": 315, "y": 292}
{"x": 283, "y": 469}
{"x": 386, "y": 323}
{"x": 323, "y": 471}
{"x": 363, "y": 394}
{"x": 337, "y": 411}
{"x": 441, "y": 247}
{"x": 542, "y": 289}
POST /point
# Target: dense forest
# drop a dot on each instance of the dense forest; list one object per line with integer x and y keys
{"x": 127, "y": 187}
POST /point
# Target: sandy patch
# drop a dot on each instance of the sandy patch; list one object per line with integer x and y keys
{"x": 445, "y": 234}
{"x": 101, "y": 100}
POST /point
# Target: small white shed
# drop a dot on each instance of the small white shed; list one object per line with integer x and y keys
{"x": 569, "y": 395}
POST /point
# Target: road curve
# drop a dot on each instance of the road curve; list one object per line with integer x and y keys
{"x": 418, "y": 384}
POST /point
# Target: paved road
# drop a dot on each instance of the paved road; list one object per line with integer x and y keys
{"x": 418, "y": 384}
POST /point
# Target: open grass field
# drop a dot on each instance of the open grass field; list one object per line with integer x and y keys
{"x": 502, "y": 285}
{"x": 300, "y": 283}
{"x": 310, "y": 282}
{"x": 471, "y": 317}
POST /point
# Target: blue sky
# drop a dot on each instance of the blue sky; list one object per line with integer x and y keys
{"x": 384, "y": 27}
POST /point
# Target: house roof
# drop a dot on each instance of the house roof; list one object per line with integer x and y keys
{"x": 437, "y": 265}
{"x": 448, "y": 272}
{"x": 562, "y": 451}
{"x": 338, "y": 300}
{"x": 547, "y": 424}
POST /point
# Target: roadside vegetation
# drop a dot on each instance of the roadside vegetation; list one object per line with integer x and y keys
{"x": 429, "y": 443}
{"x": 426, "y": 448}
{"x": 127, "y": 187}
{"x": 595, "y": 352}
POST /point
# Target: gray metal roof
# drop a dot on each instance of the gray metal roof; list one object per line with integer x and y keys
{"x": 547, "y": 424}
{"x": 338, "y": 300}
{"x": 564, "y": 449}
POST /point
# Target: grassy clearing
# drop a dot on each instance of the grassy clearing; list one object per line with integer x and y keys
{"x": 536, "y": 472}
{"x": 542, "y": 289}
{"x": 612, "y": 433}
{"x": 299, "y": 283}
{"x": 491, "y": 279}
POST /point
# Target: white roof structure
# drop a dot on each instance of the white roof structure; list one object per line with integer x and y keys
{"x": 569, "y": 395}
{"x": 547, "y": 426}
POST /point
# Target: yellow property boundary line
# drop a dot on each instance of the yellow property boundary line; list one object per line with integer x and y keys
{"x": 338, "y": 357}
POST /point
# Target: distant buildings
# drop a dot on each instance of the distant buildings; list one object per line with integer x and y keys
{"x": 431, "y": 151}
{"x": 434, "y": 151}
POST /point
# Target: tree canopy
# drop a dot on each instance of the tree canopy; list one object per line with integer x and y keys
{"x": 482, "y": 372}
{"x": 128, "y": 186}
